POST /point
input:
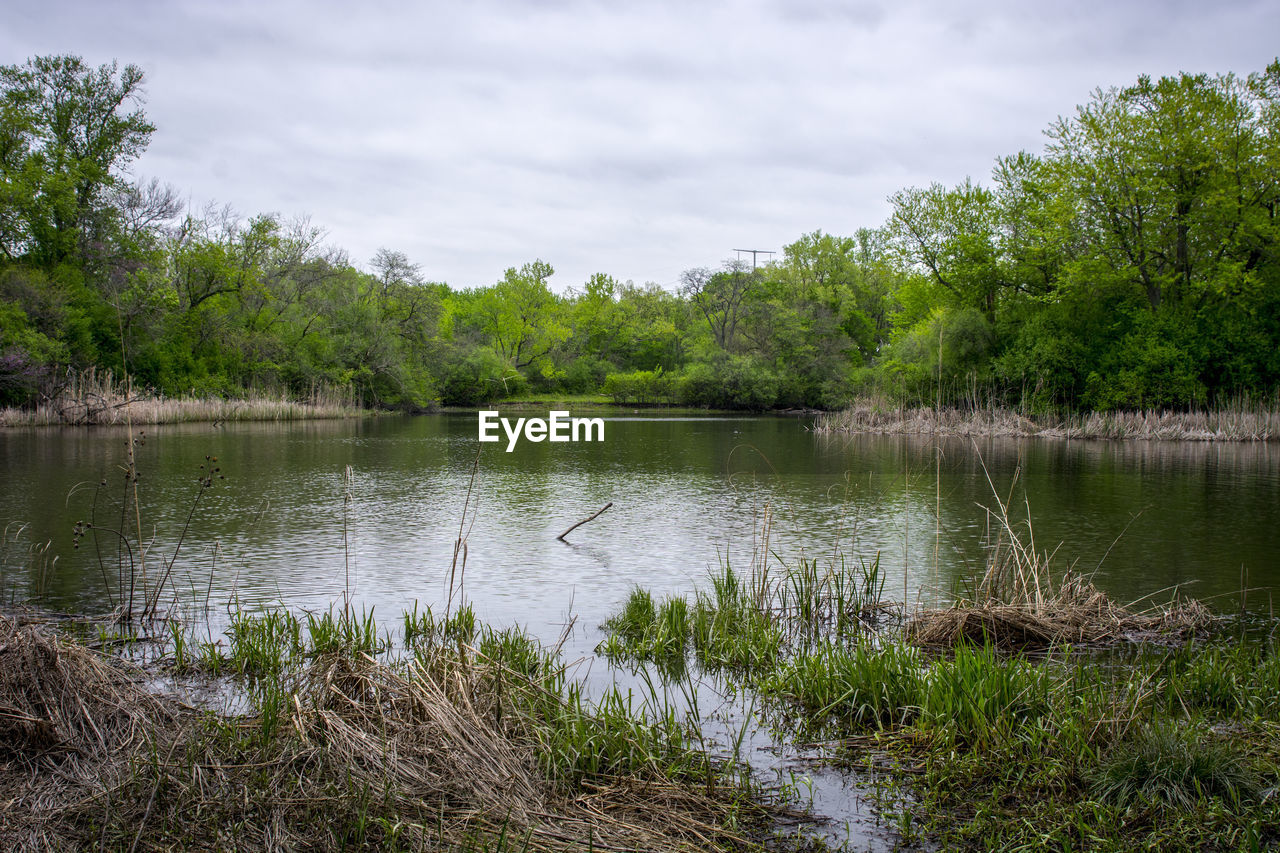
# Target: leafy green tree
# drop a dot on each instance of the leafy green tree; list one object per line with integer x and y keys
{"x": 654, "y": 328}
{"x": 68, "y": 132}
{"x": 719, "y": 296}
{"x": 851, "y": 277}
{"x": 953, "y": 236}
{"x": 1165, "y": 178}
{"x": 520, "y": 317}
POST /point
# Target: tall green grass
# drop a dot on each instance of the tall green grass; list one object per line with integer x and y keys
{"x": 1072, "y": 740}
{"x": 747, "y": 625}
{"x": 1174, "y": 767}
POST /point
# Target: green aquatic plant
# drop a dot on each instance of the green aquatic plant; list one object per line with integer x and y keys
{"x": 1173, "y": 766}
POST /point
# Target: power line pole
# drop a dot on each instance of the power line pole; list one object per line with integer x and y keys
{"x": 755, "y": 252}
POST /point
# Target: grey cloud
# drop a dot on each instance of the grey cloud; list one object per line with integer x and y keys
{"x": 635, "y": 139}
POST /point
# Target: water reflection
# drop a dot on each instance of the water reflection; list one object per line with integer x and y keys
{"x": 686, "y": 492}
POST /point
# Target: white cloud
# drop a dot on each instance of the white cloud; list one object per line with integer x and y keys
{"x": 635, "y": 139}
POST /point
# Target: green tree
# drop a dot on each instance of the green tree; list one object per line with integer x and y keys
{"x": 719, "y": 296}
{"x": 953, "y": 236}
{"x": 69, "y": 131}
{"x": 520, "y": 317}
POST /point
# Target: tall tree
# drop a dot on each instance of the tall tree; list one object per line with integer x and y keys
{"x": 720, "y": 297}
{"x": 952, "y": 234}
{"x": 520, "y": 316}
{"x": 69, "y": 132}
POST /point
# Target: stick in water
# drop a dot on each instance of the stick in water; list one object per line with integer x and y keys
{"x": 584, "y": 521}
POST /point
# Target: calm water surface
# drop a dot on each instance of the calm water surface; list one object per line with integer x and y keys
{"x": 687, "y": 492}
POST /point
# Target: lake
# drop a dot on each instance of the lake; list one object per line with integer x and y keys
{"x": 688, "y": 491}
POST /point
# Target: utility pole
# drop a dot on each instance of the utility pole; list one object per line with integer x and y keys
{"x": 755, "y": 252}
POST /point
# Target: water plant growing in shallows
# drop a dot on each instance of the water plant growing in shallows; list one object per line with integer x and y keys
{"x": 643, "y": 632}
{"x": 1034, "y": 713}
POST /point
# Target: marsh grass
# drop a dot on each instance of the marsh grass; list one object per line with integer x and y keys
{"x": 1236, "y": 421}
{"x": 264, "y": 645}
{"x": 643, "y": 632}
{"x": 729, "y": 632}
{"x": 1010, "y": 719}
{"x": 450, "y": 747}
{"x": 1174, "y": 767}
{"x": 33, "y": 559}
{"x": 991, "y": 749}
{"x": 1021, "y": 601}
{"x": 92, "y": 397}
{"x": 346, "y": 632}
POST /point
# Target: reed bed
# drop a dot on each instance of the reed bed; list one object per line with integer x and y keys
{"x": 1035, "y": 713}
{"x": 1228, "y": 423}
{"x": 1022, "y": 602}
{"x": 976, "y": 744}
{"x": 449, "y": 750}
{"x": 96, "y": 398}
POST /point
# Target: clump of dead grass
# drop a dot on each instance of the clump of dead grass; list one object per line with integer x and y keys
{"x": 352, "y": 753}
{"x": 1075, "y": 613}
{"x": 59, "y": 700}
{"x": 69, "y": 719}
{"x": 1022, "y": 602}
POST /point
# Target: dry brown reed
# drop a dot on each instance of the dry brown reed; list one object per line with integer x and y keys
{"x": 92, "y": 397}
{"x": 1074, "y": 613}
{"x": 59, "y": 699}
{"x": 69, "y": 722}
{"x": 1237, "y": 422}
{"x": 1022, "y": 602}
{"x": 363, "y": 755}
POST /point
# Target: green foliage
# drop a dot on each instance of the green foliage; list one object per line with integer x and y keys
{"x": 472, "y": 377}
{"x": 1175, "y": 768}
{"x": 1154, "y": 366}
{"x": 939, "y": 355}
{"x": 584, "y": 375}
{"x": 26, "y": 356}
{"x": 640, "y": 386}
{"x": 67, "y": 138}
{"x": 729, "y": 382}
{"x": 1115, "y": 268}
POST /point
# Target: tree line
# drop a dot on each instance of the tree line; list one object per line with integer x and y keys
{"x": 1132, "y": 263}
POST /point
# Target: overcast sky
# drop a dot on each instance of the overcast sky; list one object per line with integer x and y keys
{"x": 638, "y": 139}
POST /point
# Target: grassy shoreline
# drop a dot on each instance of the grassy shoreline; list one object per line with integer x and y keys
{"x": 468, "y": 739}
{"x": 1034, "y": 714}
{"x": 1228, "y": 423}
{"x": 90, "y": 398}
